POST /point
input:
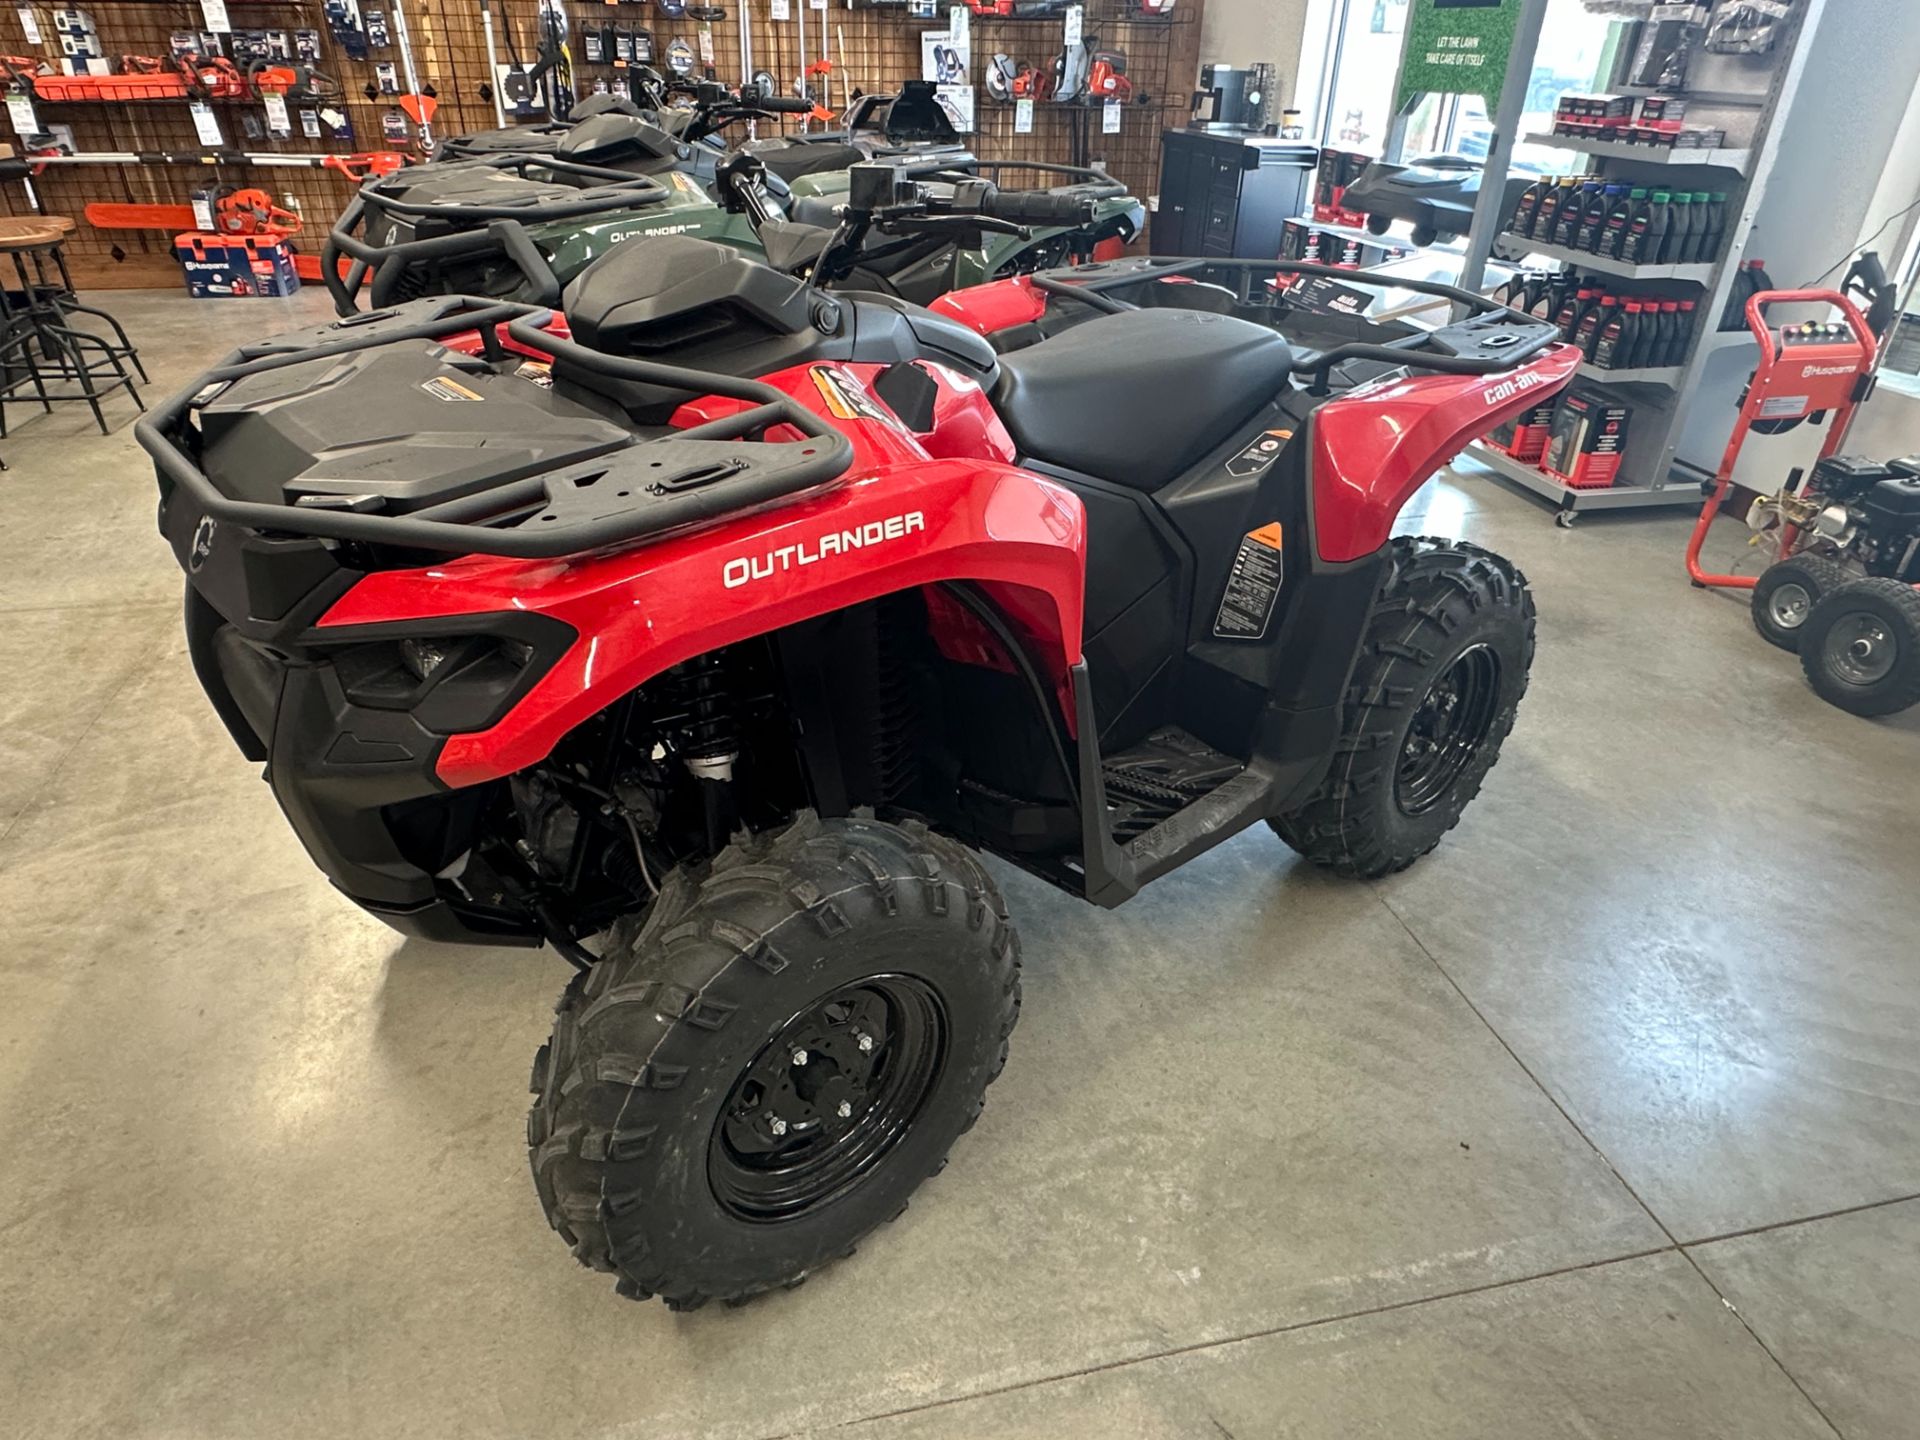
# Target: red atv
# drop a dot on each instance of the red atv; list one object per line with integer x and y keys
{"x": 708, "y": 645}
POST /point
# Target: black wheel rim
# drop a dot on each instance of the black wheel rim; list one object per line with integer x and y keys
{"x": 828, "y": 1098}
{"x": 1860, "y": 648}
{"x": 1448, "y": 729}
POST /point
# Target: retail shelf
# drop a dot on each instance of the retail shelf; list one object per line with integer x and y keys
{"x": 1699, "y": 273}
{"x": 1667, "y": 375}
{"x": 1389, "y": 241}
{"x": 1738, "y": 99}
{"x": 1735, "y": 160}
{"x": 1573, "y": 499}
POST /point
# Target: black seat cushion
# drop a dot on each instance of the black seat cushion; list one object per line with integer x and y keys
{"x": 1140, "y": 397}
{"x": 791, "y": 162}
{"x": 815, "y": 210}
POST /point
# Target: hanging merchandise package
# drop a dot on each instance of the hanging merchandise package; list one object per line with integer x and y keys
{"x": 1666, "y": 44}
{"x": 1747, "y": 27}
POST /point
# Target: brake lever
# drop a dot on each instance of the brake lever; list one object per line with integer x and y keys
{"x": 957, "y": 225}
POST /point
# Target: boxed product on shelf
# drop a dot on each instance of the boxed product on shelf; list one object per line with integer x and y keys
{"x": 1338, "y": 169}
{"x": 1592, "y": 114}
{"x": 1304, "y": 240}
{"x": 224, "y": 266}
{"x": 1588, "y": 442}
{"x": 1525, "y": 436}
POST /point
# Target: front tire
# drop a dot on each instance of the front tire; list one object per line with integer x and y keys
{"x": 1786, "y": 593}
{"x": 767, "y": 1068}
{"x": 1861, "y": 647}
{"x": 1442, "y": 667}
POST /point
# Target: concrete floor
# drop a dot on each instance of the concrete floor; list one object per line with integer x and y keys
{"x": 1602, "y": 1121}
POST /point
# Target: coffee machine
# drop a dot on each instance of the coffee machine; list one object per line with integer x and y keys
{"x": 1234, "y": 100}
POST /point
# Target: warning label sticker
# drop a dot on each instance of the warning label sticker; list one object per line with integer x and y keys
{"x": 442, "y": 388}
{"x": 1253, "y": 587}
{"x": 1259, "y": 455}
{"x": 1785, "y": 407}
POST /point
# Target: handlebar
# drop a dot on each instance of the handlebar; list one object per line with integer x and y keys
{"x": 1763, "y": 332}
{"x": 1037, "y": 207}
{"x": 775, "y": 105}
{"x": 1491, "y": 340}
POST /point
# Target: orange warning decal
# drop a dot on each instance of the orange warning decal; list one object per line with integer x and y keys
{"x": 1267, "y": 535}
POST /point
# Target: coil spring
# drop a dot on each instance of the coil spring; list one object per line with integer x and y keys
{"x": 700, "y": 691}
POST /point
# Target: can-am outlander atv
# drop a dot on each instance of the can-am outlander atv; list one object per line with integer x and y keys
{"x": 520, "y": 227}
{"x": 712, "y": 645}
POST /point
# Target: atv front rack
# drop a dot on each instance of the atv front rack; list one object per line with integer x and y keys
{"x": 1490, "y": 340}
{"x": 495, "y": 226}
{"x": 653, "y": 485}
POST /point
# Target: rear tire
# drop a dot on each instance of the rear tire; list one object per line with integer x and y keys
{"x": 1860, "y": 647}
{"x": 1379, "y": 224}
{"x": 675, "y": 1140}
{"x": 1787, "y": 592}
{"x": 1425, "y": 235}
{"x": 1442, "y": 667}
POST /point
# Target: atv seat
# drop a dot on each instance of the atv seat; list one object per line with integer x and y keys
{"x": 790, "y": 162}
{"x": 815, "y": 210}
{"x": 1139, "y": 397}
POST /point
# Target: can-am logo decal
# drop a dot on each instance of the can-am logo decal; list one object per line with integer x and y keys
{"x": 1515, "y": 385}
{"x": 202, "y": 545}
{"x": 744, "y": 569}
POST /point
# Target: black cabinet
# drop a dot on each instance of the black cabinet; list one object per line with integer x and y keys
{"x": 1228, "y": 194}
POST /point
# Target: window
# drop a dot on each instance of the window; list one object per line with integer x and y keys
{"x": 1362, "y": 69}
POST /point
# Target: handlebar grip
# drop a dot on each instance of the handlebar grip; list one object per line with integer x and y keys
{"x": 780, "y": 104}
{"x": 1038, "y": 207}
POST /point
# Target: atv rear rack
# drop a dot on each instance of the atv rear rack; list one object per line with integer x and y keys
{"x": 1492, "y": 338}
{"x": 499, "y": 225}
{"x": 1094, "y": 182}
{"x": 675, "y": 479}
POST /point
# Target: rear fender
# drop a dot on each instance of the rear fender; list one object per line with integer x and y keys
{"x": 1373, "y": 449}
{"x": 641, "y": 611}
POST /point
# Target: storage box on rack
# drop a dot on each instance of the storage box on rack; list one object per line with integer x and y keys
{"x": 1589, "y": 441}
{"x": 1525, "y": 436}
{"x": 220, "y": 266}
{"x": 1338, "y": 169}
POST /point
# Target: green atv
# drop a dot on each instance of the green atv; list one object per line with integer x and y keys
{"x": 521, "y": 226}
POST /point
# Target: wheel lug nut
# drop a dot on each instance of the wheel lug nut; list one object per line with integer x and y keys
{"x": 865, "y": 1043}
{"x": 777, "y": 1126}
{"x": 799, "y": 1057}
{"x": 843, "y": 1110}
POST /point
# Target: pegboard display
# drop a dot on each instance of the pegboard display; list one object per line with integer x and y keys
{"x": 869, "y": 49}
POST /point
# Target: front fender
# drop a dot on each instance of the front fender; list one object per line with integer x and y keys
{"x": 640, "y": 611}
{"x": 1374, "y": 448}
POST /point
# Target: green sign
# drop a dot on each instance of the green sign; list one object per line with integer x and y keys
{"x": 1458, "y": 47}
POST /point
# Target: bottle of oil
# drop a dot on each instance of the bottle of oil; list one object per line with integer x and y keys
{"x": 1619, "y": 218}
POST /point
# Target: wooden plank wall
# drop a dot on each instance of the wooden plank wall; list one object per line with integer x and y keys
{"x": 881, "y": 46}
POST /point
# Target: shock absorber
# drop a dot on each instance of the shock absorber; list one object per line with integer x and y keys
{"x": 709, "y": 741}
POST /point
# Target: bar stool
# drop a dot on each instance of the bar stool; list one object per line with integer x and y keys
{"x": 68, "y": 299}
{"x": 39, "y": 341}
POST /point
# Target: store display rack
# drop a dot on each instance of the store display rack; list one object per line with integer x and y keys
{"x": 1745, "y": 98}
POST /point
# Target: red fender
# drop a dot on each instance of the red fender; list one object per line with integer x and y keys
{"x": 993, "y": 307}
{"x": 898, "y": 520}
{"x": 1376, "y": 446}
